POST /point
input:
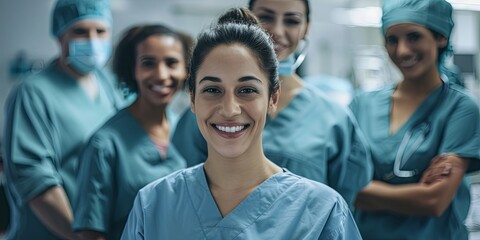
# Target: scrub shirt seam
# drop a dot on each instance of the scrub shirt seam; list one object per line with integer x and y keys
{"x": 289, "y": 156}
{"x": 337, "y": 231}
{"x": 191, "y": 200}
{"x": 279, "y": 197}
{"x": 39, "y": 189}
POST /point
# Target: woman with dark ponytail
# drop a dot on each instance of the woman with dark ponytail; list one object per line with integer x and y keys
{"x": 238, "y": 193}
{"x": 308, "y": 134}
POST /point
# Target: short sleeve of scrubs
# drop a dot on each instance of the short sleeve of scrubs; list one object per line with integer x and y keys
{"x": 351, "y": 169}
{"x": 95, "y": 180}
{"x": 29, "y": 144}
{"x": 462, "y": 130}
{"x": 340, "y": 224}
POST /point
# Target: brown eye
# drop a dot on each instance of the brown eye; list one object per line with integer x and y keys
{"x": 413, "y": 37}
{"x": 79, "y": 31}
{"x": 390, "y": 40}
{"x": 101, "y": 31}
{"x": 265, "y": 18}
{"x": 172, "y": 62}
{"x": 248, "y": 90}
{"x": 147, "y": 63}
{"x": 211, "y": 90}
{"x": 292, "y": 22}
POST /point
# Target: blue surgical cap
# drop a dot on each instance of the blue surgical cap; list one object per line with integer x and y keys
{"x": 68, "y": 12}
{"x": 433, "y": 14}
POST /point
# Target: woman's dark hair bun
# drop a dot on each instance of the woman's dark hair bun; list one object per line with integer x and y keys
{"x": 238, "y": 16}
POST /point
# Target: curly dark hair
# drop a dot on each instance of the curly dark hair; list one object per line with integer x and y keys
{"x": 125, "y": 53}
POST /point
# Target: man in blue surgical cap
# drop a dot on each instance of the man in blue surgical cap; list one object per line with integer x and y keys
{"x": 50, "y": 115}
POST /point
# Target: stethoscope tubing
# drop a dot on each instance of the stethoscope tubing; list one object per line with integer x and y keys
{"x": 401, "y": 158}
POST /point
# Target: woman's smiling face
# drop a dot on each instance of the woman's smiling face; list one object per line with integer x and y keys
{"x": 414, "y": 49}
{"x": 231, "y": 101}
{"x": 285, "y": 21}
{"x": 159, "y": 69}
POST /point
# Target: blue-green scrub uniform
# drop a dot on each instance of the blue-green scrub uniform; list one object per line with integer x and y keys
{"x": 285, "y": 206}
{"x": 49, "y": 117}
{"x": 454, "y": 127}
{"x": 119, "y": 160}
{"x": 312, "y": 137}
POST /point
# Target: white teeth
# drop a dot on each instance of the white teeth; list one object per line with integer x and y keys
{"x": 408, "y": 63}
{"x": 158, "y": 88}
{"x": 161, "y": 89}
{"x": 231, "y": 129}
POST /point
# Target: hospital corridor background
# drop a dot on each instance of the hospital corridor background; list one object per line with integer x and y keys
{"x": 345, "y": 54}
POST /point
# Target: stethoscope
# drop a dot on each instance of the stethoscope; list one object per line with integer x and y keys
{"x": 302, "y": 53}
{"x": 402, "y": 156}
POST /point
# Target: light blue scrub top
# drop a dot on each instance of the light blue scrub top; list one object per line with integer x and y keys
{"x": 119, "y": 160}
{"x": 312, "y": 137}
{"x": 285, "y": 206}
{"x": 454, "y": 128}
{"x": 49, "y": 117}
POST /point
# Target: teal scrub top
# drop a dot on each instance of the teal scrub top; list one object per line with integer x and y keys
{"x": 454, "y": 127}
{"x": 48, "y": 119}
{"x": 285, "y": 206}
{"x": 119, "y": 160}
{"x": 312, "y": 137}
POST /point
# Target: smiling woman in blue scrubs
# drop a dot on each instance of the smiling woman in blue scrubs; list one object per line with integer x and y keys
{"x": 133, "y": 148}
{"x": 424, "y": 133}
{"x": 238, "y": 193}
{"x": 309, "y": 135}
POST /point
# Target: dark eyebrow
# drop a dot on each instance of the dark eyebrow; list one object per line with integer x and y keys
{"x": 413, "y": 32}
{"x": 146, "y": 56}
{"x": 288, "y": 14}
{"x": 249, "y": 78}
{"x": 266, "y": 10}
{"x": 293, "y": 14}
{"x": 242, "y": 79}
{"x": 210, "y": 78}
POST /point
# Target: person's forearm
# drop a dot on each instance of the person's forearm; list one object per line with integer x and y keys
{"x": 408, "y": 199}
{"x": 416, "y": 199}
{"x": 53, "y": 209}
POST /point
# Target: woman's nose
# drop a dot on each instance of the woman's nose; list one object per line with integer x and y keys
{"x": 403, "y": 48}
{"x": 162, "y": 72}
{"x": 230, "y": 107}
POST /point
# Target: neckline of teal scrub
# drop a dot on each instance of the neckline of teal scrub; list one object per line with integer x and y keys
{"x": 418, "y": 113}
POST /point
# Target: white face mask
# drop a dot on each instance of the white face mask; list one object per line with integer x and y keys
{"x": 87, "y": 55}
